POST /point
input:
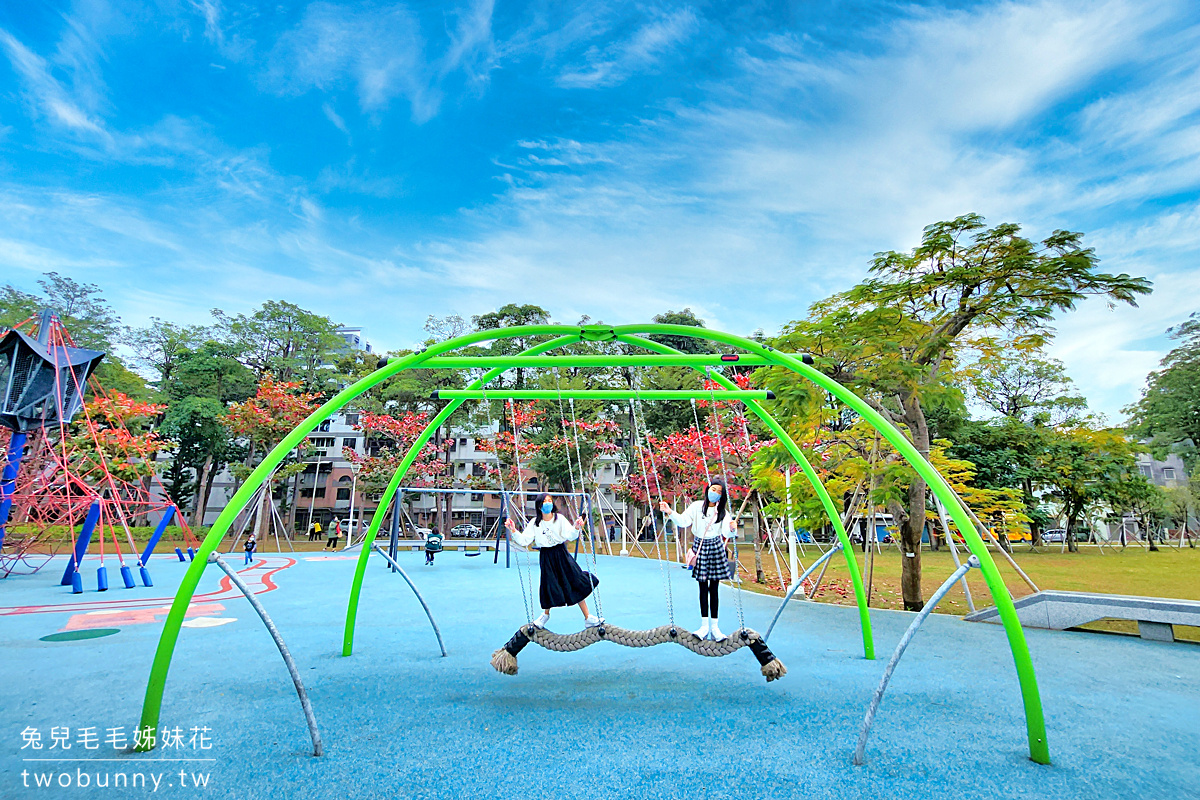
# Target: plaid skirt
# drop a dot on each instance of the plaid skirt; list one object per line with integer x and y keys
{"x": 712, "y": 562}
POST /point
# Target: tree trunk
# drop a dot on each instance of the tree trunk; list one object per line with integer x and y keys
{"x": 203, "y": 486}
{"x": 910, "y": 544}
{"x": 913, "y": 525}
{"x": 758, "y": 567}
{"x": 1069, "y": 535}
{"x": 1035, "y": 530}
{"x": 264, "y": 514}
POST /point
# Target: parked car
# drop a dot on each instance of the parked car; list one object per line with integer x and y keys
{"x": 1059, "y": 535}
{"x": 466, "y": 531}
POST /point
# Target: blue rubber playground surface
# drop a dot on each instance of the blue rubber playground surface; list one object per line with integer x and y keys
{"x": 398, "y": 720}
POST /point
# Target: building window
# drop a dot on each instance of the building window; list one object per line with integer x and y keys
{"x": 352, "y": 443}
{"x": 462, "y": 442}
{"x": 342, "y": 494}
{"x": 1144, "y": 469}
{"x": 321, "y": 492}
{"x": 322, "y": 441}
{"x": 306, "y": 492}
{"x": 476, "y": 497}
{"x": 352, "y": 419}
{"x": 1168, "y": 473}
{"x": 324, "y": 426}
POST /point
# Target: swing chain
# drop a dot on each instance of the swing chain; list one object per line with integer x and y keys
{"x": 667, "y": 588}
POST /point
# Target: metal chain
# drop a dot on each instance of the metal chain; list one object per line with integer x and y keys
{"x": 512, "y": 411}
{"x": 762, "y": 512}
{"x": 737, "y": 562}
{"x": 663, "y": 573}
{"x": 587, "y": 507}
{"x": 582, "y": 488}
{"x": 507, "y": 507}
{"x": 700, "y": 438}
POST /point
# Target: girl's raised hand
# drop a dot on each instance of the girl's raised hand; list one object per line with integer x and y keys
{"x": 663, "y": 507}
{"x": 508, "y": 523}
{"x": 579, "y": 523}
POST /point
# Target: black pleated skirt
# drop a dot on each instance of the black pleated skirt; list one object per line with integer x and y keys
{"x": 563, "y": 582}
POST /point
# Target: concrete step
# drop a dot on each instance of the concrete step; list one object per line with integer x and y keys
{"x": 1057, "y": 610}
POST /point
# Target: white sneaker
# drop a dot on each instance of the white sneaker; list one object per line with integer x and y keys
{"x": 702, "y": 632}
{"x": 541, "y": 621}
{"x": 715, "y": 632}
{"x": 592, "y": 621}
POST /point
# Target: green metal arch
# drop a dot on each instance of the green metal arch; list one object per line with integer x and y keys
{"x": 1034, "y": 718}
{"x": 645, "y": 344}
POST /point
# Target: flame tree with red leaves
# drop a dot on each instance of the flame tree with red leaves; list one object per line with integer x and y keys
{"x": 263, "y": 421}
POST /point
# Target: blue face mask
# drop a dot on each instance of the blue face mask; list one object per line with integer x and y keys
{"x": 714, "y": 496}
{"x": 547, "y": 508}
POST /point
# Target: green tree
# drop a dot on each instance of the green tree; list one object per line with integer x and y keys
{"x": 17, "y": 306}
{"x": 162, "y": 345}
{"x": 284, "y": 342}
{"x": 1168, "y": 414}
{"x": 210, "y": 371}
{"x": 896, "y": 337}
{"x": 1085, "y": 469}
{"x": 509, "y": 316}
{"x": 84, "y": 311}
{"x": 1025, "y": 385}
{"x": 203, "y": 446}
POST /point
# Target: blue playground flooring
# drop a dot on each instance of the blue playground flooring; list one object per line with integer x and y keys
{"x": 398, "y": 720}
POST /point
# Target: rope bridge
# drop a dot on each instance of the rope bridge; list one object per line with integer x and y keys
{"x": 505, "y": 659}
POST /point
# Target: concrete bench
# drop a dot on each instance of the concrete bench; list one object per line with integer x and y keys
{"x": 1061, "y": 610}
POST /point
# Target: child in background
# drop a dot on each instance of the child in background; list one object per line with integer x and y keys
{"x": 249, "y": 547}
{"x": 433, "y": 544}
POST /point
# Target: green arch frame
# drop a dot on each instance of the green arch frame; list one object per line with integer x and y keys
{"x": 628, "y": 334}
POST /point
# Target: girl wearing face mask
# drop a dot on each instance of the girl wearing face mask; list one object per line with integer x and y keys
{"x": 563, "y": 582}
{"x": 711, "y": 525}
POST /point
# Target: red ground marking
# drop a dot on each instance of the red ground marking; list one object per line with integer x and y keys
{"x": 134, "y": 616}
{"x": 259, "y": 580}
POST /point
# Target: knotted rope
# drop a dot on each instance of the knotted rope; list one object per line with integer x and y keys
{"x": 505, "y": 659}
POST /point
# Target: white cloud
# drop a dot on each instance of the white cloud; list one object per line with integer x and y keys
{"x": 46, "y": 96}
{"x": 641, "y": 51}
{"x": 381, "y": 53}
{"x": 777, "y": 190}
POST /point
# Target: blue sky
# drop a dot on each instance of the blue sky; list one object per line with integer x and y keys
{"x": 380, "y": 162}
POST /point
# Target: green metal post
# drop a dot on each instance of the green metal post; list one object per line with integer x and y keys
{"x": 603, "y": 394}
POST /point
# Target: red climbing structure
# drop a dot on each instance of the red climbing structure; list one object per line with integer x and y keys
{"x": 73, "y": 470}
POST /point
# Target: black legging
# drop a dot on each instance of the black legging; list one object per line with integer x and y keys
{"x": 709, "y": 604}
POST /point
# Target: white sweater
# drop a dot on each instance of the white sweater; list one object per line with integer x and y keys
{"x": 548, "y": 534}
{"x": 704, "y": 526}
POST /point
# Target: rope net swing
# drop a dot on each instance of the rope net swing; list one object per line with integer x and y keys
{"x": 504, "y": 660}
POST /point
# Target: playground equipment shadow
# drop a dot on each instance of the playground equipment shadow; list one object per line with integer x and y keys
{"x": 400, "y": 721}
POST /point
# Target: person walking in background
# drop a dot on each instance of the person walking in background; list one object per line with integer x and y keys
{"x": 335, "y": 533}
{"x": 314, "y": 532}
{"x": 249, "y": 547}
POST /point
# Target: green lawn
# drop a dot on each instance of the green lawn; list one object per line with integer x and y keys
{"x": 1134, "y": 571}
